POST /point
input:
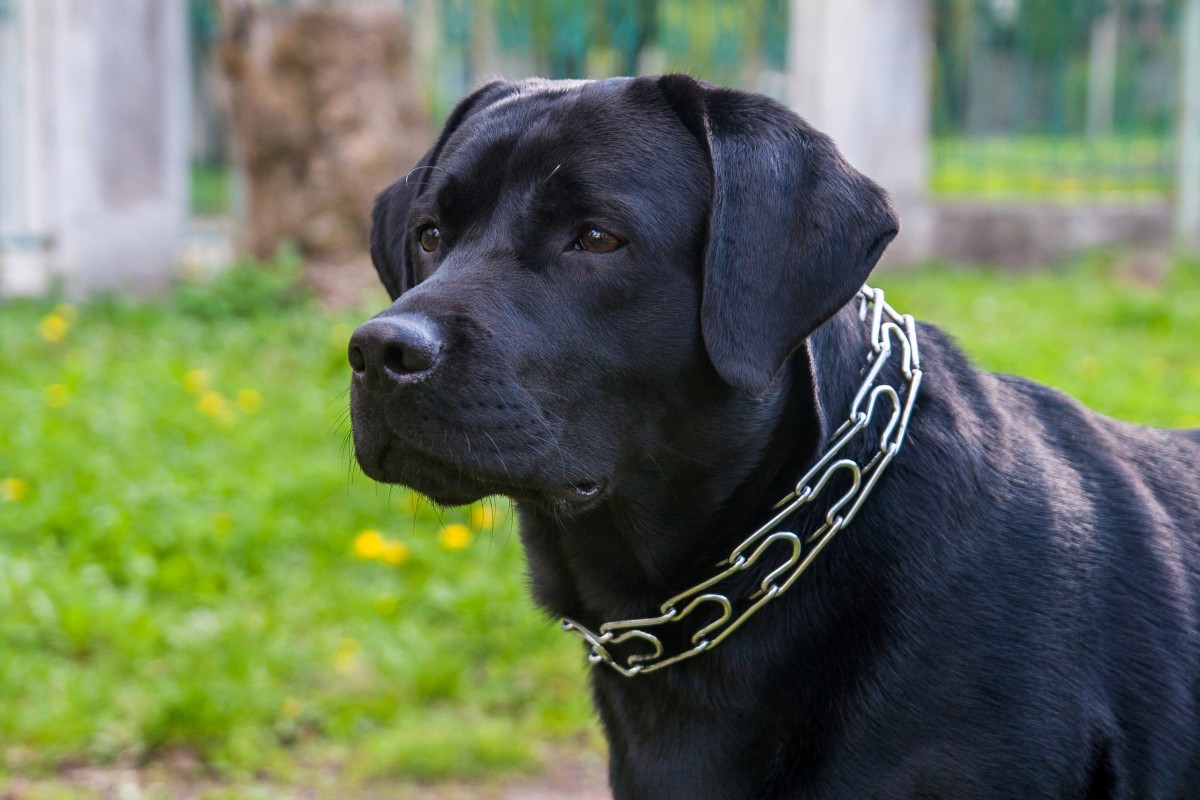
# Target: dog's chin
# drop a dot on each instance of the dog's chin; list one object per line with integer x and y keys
{"x": 440, "y": 482}
{"x": 448, "y": 485}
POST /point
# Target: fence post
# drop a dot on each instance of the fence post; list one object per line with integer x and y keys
{"x": 1187, "y": 209}
{"x": 103, "y": 103}
{"x": 859, "y": 70}
{"x": 1102, "y": 71}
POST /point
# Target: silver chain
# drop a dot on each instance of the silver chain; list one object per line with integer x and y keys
{"x": 886, "y": 325}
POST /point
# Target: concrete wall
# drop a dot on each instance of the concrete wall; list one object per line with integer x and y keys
{"x": 1029, "y": 235}
{"x": 94, "y": 147}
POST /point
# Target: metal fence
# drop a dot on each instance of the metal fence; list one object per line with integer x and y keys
{"x": 1047, "y": 99}
{"x": 1055, "y": 99}
{"x": 734, "y": 42}
{"x": 460, "y": 42}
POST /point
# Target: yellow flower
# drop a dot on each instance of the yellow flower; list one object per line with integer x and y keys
{"x": 13, "y": 490}
{"x": 56, "y": 395}
{"x": 483, "y": 517}
{"x": 211, "y": 404}
{"x": 291, "y": 708}
{"x": 249, "y": 400}
{"x": 394, "y": 553}
{"x": 369, "y": 544}
{"x": 67, "y": 312}
{"x": 195, "y": 380}
{"x": 346, "y": 656}
{"x": 414, "y": 503}
{"x": 53, "y": 328}
{"x": 454, "y": 537}
{"x": 222, "y": 522}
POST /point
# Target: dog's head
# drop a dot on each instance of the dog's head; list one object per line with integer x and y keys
{"x": 588, "y": 275}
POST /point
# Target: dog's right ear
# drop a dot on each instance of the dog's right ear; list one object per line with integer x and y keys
{"x": 389, "y": 219}
{"x": 793, "y": 229}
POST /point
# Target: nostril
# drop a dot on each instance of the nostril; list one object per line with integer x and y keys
{"x": 409, "y": 359}
{"x": 401, "y": 361}
{"x": 358, "y": 361}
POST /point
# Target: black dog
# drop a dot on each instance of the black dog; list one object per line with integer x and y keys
{"x": 633, "y": 306}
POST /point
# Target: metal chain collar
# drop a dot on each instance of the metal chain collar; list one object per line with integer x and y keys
{"x": 886, "y": 325}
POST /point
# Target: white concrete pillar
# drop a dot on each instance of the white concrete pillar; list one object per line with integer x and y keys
{"x": 95, "y": 176}
{"x": 859, "y": 70}
{"x": 1187, "y": 203}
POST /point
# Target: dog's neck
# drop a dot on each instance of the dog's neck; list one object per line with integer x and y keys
{"x": 616, "y": 563}
{"x": 625, "y": 557}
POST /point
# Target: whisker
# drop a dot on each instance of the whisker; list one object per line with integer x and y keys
{"x": 421, "y": 166}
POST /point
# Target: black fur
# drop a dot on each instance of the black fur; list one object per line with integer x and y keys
{"x": 1012, "y": 614}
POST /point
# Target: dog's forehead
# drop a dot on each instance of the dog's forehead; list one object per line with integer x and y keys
{"x": 602, "y": 127}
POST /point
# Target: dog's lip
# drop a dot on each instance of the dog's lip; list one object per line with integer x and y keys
{"x": 578, "y": 492}
{"x": 576, "y": 496}
{"x": 572, "y": 495}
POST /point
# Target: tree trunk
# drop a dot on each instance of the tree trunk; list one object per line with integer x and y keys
{"x": 325, "y": 112}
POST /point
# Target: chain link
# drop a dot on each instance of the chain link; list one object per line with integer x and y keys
{"x": 886, "y": 326}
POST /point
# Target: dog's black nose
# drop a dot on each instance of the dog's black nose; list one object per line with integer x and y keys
{"x": 397, "y": 349}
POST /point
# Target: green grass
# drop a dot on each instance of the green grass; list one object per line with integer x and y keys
{"x": 209, "y": 189}
{"x": 178, "y": 571}
{"x": 1126, "y": 350}
{"x": 1057, "y": 168}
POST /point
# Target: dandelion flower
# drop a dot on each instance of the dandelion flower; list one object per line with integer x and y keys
{"x": 13, "y": 490}
{"x": 249, "y": 400}
{"x": 454, "y": 537}
{"x": 414, "y": 503}
{"x": 483, "y": 517}
{"x": 53, "y": 328}
{"x": 211, "y": 404}
{"x": 346, "y": 656}
{"x": 195, "y": 380}
{"x": 394, "y": 553}
{"x": 56, "y": 395}
{"x": 369, "y": 544}
{"x": 291, "y": 708}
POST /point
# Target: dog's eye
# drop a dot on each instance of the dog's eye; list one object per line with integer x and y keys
{"x": 595, "y": 240}
{"x": 431, "y": 237}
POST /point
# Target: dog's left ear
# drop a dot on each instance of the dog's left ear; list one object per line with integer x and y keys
{"x": 793, "y": 229}
{"x": 389, "y": 218}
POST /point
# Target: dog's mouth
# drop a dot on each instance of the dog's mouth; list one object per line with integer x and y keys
{"x": 575, "y": 498}
{"x": 451, "y": 484}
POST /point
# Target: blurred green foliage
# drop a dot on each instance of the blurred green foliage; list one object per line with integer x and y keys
{"x": 189, "y": 560}
{"x": 1049, "y": 167}
{"x": 209, "y": 188}
{"x": 1028, "y": 98}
